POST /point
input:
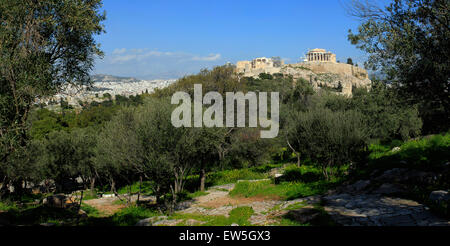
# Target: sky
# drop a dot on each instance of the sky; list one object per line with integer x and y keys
{"x": 170, "y": 39}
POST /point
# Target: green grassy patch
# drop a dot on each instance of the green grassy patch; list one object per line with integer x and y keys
{"x": 232, "y": 176}
{"x": 134, "y": 188}
{"x": 425, "y": 153}
{"x": 322, "y": 219}
{"x": 285, "y": 190}
{"x": 197, "y": 194}
{"x": 91, "y": 211}
{"x": 128, "y": 216}
{"x": 223, "y": 177}
{"x": 239, "y": 215}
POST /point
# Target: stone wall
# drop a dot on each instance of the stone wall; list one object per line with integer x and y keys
{"x": 328, "y": 74}
{"x": 319, "y": 73}
{"x": 336, "y": 68}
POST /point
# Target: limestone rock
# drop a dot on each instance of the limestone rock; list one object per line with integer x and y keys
{"x": 303, "y": 215}
{"x": 438, "y": 196}
{"x": 192, "y": 222}
{"x": 388, "y": 189}
{"x": 82, "y": 214}
{"x": 395, "y": 149}
{"x": 150, "y": 221}
{"x": 167, "y": 222}
{"x": 358, "y": 186}
{"x": 58, "y": 201}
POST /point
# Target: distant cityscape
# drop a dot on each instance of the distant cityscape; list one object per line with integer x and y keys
{"x": 107, "y": 84}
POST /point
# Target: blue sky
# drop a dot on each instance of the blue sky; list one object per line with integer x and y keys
{"x": 168, "y": 39}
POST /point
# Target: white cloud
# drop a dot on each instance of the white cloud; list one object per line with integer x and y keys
{"x": 119, "y": 51}
{"x": 123, "y": 55}
{"x": 211, "y": 57}
{"x": 146, "y": 63}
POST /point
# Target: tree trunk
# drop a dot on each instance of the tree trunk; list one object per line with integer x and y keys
{"x": 4, "y": 187}
{"x": 18, "y": 187}
{"x": 298, "y": 159}
{"x": 113, "y": 185}
{"x": 81, "y": 200}
{"x": 92, "y": 188}
{"x": 140, "y": 187}
{"x": 202, "y": 179}
{"x": 295, "y": 152}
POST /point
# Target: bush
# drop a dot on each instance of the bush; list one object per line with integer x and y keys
{"x": 330, "y": 139}
{"x": 301, "y": 174}
{"x": 422, "y": 153}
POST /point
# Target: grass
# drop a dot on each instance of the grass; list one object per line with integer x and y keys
{"x": 7, "y": 205}
{"x": 239, "y": 215}
{"x": 128, "y": 216}
{"x": 197, "y": 194}
{"x": 91, "y": 211}
{"x": 88, "y": 195}
{"x": 428, "y": 154}
{"x": 232, "y": 176}
{"x": 145, "y": 189}
{"x": 285, "y": 190}
{"x": 425, "y": 153}
{"x": 223, "y": 177}
{"x": 37, "y": 214}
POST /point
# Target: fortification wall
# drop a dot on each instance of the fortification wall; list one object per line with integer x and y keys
{"x": 335, "y": 68}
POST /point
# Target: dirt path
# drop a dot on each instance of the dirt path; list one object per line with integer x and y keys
{"x": 345, "y": 209}
{"x": 108, "y": 206}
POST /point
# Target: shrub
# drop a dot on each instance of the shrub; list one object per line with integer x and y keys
{"x": 422, "y": 153}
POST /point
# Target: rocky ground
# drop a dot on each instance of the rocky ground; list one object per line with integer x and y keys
{"x": 358, "y": 204}
{"x": 110, "y": 205}
{"x": 371, "y": 202}
{"x": 379, "y": 210}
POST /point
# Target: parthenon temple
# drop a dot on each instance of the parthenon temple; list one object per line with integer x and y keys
{"x": 320, "y": 55}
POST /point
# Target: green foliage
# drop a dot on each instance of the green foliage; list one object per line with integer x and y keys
{"x": 146, "y": 188}
{"x": 239, "y": 215}
{"x": 350, "y": 61}
{"x": 45, "y": 44}
{"x": 90, "y": 211}
{"x": 129, "y": 216}
{"x": 402, "y": 40}
{"x": 232, "y": 176}
{"x": 422, "y": 153}
{"x": 221, "y": 79}
{"x": 265, "y": 76}
{"x": 387, "y": 116}
{"x": 303, "y": 174}
{"x": 67, "y": 156}
{"x": 285, "y": 190}
{"x": 328, "y": 138}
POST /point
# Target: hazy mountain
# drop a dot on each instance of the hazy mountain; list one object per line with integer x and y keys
{"x": 111, "y": 78}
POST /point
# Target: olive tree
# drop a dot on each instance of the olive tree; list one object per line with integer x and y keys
{"x": 409, "y": 41}
{"x": 329, "y": 138}
{"x": 44, "y": 45}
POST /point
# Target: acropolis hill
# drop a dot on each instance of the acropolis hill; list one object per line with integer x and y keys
{"x": 319, "y": 68}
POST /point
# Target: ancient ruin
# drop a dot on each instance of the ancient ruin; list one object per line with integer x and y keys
{"x": 320, "y": 55}
{"x": 319, "y": 67}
